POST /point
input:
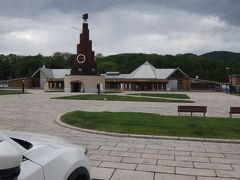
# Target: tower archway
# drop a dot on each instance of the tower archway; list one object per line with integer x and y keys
{"x": 76, "y": 86}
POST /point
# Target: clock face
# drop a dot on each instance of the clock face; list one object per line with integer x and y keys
{"x": 81, "y": 58}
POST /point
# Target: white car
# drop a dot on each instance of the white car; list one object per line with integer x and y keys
{"x": 4, "y": 85}
{"x": 26, "y": 156}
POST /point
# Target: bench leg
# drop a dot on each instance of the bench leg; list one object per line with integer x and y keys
{"x": 230, "y": 115}
{"x": 191, "y": 113}
{"x": 204, "y": 114}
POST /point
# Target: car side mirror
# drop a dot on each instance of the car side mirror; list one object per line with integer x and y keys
{"x": 10, "y": 161}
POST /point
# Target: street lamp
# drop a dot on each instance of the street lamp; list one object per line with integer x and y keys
{"x": 22, "y": 86}
{"x": 98, "y": 87}
{"x": 229, "y": 69}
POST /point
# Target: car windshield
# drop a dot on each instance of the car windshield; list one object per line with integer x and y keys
{"x": 18, "y": 145}
{"x": 25, "y": 144}
{"x": 9, "y": 178}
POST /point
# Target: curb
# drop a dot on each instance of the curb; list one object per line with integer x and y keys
{"x": 59, "y": 122}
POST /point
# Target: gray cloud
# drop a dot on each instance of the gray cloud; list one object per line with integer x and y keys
{"x": 228, "y": 10}
{"x": 117, "y": 26}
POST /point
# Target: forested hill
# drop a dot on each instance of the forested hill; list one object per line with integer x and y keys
{"x": 225, "y": 56}
{"x": 210, "y": 66}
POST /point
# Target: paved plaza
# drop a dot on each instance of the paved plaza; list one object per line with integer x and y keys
{"x": 123, "y": 158}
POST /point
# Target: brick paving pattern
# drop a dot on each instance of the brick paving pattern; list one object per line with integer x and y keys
{"x": 123, "y": 158}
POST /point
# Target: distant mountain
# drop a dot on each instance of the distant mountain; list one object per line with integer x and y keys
{"x": 230, "y": 58}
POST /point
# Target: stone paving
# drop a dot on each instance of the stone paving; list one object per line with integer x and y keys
{"x": 123, "y": 158}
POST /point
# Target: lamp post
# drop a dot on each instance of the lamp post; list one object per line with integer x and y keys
{"x": 98, "y": 87}
{"x": 229, "y": 69}
{"x": 22, "y": 86}
{"x": 230, "y": 72}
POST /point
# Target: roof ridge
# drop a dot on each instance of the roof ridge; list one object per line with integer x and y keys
{"x": 146, "y": 63}
{"x": 147, "y": 68}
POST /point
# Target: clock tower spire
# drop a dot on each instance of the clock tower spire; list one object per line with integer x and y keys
{"x": 84, "y": 63}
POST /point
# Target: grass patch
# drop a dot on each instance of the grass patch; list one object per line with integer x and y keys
{"x": 154, "y": 124}
{"x": 175, "y": 96}
{"x": 120, "y": 98}
{"x": 9, "y": 92}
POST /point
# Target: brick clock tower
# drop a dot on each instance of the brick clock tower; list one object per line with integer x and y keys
{"x": 84, "y": 63}
{"x": 84, "y": 76}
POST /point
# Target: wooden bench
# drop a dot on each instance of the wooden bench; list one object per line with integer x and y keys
{"x": 234, "y": 110}
{"x": 192, "y": 109}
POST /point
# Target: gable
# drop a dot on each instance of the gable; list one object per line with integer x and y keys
{"x": 36, "y": 75}
{"x": 178, "y": 74}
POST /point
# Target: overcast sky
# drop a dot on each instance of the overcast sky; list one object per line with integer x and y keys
{"x": 29, "y": 27}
